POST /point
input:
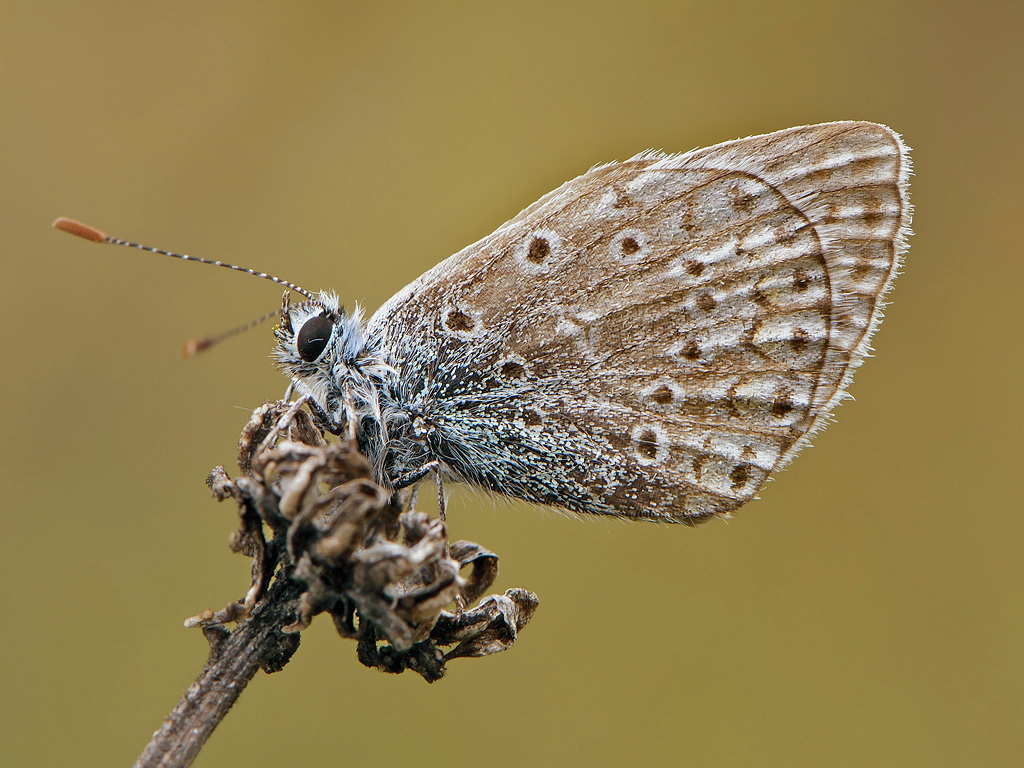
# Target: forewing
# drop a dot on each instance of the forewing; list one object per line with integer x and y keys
{"x": 655, "y": 337}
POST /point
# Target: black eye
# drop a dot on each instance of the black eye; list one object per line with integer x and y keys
{"x": 313, "y": 337}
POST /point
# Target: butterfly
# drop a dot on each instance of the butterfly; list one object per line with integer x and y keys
{"x": 651, "y": 340}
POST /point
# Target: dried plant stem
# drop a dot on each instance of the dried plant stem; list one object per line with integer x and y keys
{"x": 383, "y": 572}
{"x": 235, "y": 657}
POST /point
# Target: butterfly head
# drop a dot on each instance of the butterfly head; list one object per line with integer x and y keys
{"x": 324, "y": 351}
{"x": 314, "y": 335}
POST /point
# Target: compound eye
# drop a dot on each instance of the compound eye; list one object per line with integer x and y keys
{"x": 313, "y": 337}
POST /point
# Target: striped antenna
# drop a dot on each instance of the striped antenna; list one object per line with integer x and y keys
{"x": 79, "y": 229}
{"x": 195, "y": 346}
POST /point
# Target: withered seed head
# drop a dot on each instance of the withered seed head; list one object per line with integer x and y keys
{"x": 385, "y": 573}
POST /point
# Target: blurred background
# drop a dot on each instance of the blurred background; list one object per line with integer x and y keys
{"x": 866, "y": 611}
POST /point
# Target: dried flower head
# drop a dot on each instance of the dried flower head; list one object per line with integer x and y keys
{"x": 384, "y": 572}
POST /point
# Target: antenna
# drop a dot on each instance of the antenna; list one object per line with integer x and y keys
{"x": 195, "y": 346}
{"x": 86, "y": 232}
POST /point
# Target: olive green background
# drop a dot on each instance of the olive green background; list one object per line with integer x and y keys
{"x": 866, "y": 612}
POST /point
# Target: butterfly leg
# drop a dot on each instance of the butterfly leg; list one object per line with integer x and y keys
{"x": 321, "y": 417}
{"x": 411, "y": 478}
{"x": 442, "y": 506}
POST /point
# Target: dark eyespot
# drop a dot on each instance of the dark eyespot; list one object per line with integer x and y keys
{"x": 313, "y": 337}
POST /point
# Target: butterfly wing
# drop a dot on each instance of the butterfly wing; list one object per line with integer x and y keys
{"x": 654, "y": 338}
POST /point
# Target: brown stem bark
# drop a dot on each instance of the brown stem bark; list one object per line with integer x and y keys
{"x": 235, "y": 657}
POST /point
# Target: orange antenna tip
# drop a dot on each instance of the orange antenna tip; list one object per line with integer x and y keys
{"x": 79, "y": 229}
{"x": 193, "y": 347}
